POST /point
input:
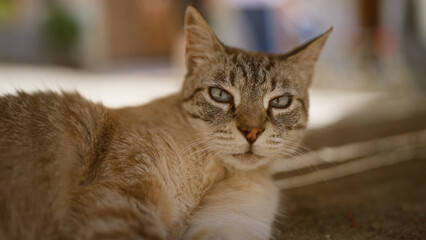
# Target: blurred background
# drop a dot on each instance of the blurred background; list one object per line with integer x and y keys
{"x": 112, "y": 50}
{"x": 375, "y": 44}
{"x": 368, "y": 107}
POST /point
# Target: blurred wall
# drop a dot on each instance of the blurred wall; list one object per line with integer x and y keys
{"x": 375, "y": 44}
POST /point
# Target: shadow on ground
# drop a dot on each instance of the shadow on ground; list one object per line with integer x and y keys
{"x": 384, "y": 203}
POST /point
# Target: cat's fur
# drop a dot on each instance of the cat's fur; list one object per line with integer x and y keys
{"x": 175, "y": 168}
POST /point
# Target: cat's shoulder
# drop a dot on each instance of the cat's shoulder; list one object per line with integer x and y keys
{"x": 40, "y": 100}
{"x": 51, "y": 109}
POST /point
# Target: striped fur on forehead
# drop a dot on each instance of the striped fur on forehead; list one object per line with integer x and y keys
{"x": 251, "y": 69}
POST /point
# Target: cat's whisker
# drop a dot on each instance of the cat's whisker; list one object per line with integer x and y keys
{"x": 296, "y": 153}
{"x": 194, "y": 144}
{"x": 197, "y": 153}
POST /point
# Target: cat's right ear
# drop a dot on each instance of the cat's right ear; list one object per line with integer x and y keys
{"x": 201, "y": 42}
{"x": 304, "y": 58}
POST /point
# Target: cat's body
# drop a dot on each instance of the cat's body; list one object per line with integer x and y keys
{"x": 81, "y": 155}
{"x": 189, "y": 166}
{"x": 94, "y": 166}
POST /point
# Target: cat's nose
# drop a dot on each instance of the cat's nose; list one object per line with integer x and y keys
{"x": 251, "y": 133}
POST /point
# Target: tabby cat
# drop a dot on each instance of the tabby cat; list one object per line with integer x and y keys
{"x": 193, "y": 165}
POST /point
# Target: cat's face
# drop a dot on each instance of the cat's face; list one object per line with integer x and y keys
{"x": 249, "y": 108}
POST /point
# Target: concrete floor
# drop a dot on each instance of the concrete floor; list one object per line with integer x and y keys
{"x": 386, "y": 203}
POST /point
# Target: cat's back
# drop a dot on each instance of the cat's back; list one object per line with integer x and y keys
{"x": 46, "y": 122}
{"x": 48, "y": 143}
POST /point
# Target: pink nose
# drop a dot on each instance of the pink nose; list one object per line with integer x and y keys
{"x": 251, "y": 133}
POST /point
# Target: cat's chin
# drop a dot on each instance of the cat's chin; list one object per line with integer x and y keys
{"x": 248, "y": 157}
{"x": 245, "y": 161}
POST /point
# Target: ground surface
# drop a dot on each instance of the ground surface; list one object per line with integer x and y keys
{"x": 387, "y": 203}
{"x": 383, "y": 203}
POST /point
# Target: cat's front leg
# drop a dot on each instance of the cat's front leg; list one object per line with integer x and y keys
{"x": 99, "y": 212}
{"x": 242, "y": 207}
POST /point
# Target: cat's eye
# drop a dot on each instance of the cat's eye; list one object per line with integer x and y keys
{"x": 280, "y": 102}
{"x": 220, "y": 95}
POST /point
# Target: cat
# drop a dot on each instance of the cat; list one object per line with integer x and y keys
{"x": 193, "y": 165}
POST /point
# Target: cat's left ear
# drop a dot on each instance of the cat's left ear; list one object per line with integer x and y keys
{"x": 202, "y": 44}
{"x": 304, "y": 58}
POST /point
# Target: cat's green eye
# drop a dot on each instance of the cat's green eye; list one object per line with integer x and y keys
{"x": 220, "y": 95}
{"x": 280, "y": 102}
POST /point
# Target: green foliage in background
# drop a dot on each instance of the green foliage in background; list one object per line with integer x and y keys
{"x": 61, "y": 29}
{"x": 6, "y": 10}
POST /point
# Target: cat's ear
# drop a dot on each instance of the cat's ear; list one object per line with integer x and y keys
{"x": 201, "y": 42}
{"x": 304, "y": 58}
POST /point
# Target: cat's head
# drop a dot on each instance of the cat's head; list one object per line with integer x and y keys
{"x": 250, "y": 108}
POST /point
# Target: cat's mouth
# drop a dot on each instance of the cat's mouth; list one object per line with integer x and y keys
{"x": 247, "y": 156}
